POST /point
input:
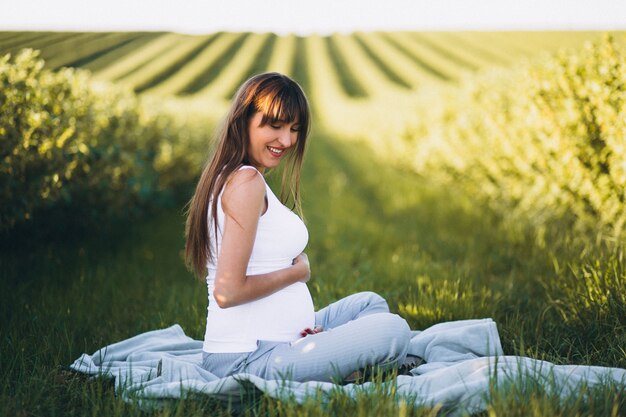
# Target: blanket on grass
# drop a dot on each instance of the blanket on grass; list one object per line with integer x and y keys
{"x": 463, "y": 359}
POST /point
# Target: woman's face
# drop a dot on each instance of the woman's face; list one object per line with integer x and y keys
{"x": 269, "y": 143}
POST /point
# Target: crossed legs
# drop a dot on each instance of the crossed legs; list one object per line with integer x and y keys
{"x": 359, "y": 331}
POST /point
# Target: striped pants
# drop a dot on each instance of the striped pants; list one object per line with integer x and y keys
{"x": 359, "y": 331}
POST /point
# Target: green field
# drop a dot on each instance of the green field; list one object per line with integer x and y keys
{"x": 440, "y": 241}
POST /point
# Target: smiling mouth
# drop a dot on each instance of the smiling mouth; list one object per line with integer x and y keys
{"x": 275, "y": 151}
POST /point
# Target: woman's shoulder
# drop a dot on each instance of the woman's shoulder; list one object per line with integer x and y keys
{"x": 245, "y": 182}
{"x": 248, "y": 168}
{"x": 245, "y": 174}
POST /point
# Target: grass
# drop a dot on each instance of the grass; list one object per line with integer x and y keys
{"x": 92, "y": 56}
{"x": 466, "y": 41}
{"x": 377, "y": 60}
{"x": 132, "y": 64}
{"x": 41, "y": 42}
{"x": 351, "y": 85}
{"x": 215, "y": 67}
{"x": 368, "y": 74}
{"x": 300, "y": 63}
{"x": 176, "y": 65}
{"x": 196, "y": 67}
{"x": 434, "y": 253}
{"x": 243, "y": 59}
{"x": 118, "y": 53}
{"x": 445, "y": 51}
{"x": 433, "y": 256}
{"x": 282, "y": 55}
{"x": 25, "y": 40}
{"x": 259, "y": 64}
{"x": 166, "y": 64}
{"x": 7, "y": 36}
{"x": 78, "y": 46}
{"x": 414, "y": 56}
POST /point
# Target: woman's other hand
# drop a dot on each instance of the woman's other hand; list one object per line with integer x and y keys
{"x": 302, "y": 262}
{"x": 308, "y": 330}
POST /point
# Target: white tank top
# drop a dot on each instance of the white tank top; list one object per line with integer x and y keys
{"x": 281, "y": 236}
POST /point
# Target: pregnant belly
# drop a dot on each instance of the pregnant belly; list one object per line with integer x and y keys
{"x": 282, "y": 315}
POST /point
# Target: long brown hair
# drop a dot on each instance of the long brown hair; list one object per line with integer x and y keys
{"x": 279, "y": 98}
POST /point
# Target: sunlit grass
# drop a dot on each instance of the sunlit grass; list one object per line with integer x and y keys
{"x": 282, "y": 58}
{"x": 128, "y": 63}
{"x": 394, "y": 66}
{"x": 240, "y": 61}
{"x": 176, "y": 63}
{"x": 199, "y": 70}
{"x": 106, "y": 59}
{"x": 258, "y": 64}
{"x": 433, "y": 252}
{"x": 160, "y": 66}
{"x": 433, "y": 257}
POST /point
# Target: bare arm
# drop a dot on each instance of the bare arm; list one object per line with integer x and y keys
{"x": 243, "y": 201}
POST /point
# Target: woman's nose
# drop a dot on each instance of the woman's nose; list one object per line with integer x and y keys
{"x": 285, "y": 138}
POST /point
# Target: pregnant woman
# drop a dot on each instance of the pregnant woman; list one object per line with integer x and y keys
{"x": 250, "y": 247}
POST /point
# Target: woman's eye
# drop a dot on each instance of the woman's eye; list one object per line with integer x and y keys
{"x": 294, "y": 129}
{"x": 275, "y": 126}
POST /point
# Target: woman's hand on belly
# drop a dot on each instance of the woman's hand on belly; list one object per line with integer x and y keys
{"x": 302, "y": 262}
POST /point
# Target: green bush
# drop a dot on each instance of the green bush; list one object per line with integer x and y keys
{"x": 70, "y": 146}
{"x": 544, "y": 146}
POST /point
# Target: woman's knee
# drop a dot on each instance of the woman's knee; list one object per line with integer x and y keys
{"x": 373, "y": 303}
{"x": 396, "y": 333}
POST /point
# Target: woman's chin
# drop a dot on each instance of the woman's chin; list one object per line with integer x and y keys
{"x": 272, "y": 164}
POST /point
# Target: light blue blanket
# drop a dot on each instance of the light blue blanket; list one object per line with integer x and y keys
{"x": 462, "y": 358}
